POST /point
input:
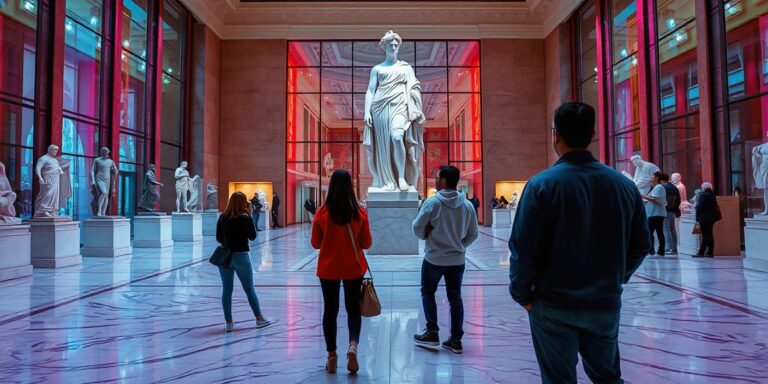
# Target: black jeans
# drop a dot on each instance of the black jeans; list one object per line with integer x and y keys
{"x": 331, "y": 310}
{"x": 430, "y": 278}
{"x": 275, "y": 224}
{"x": 656, "y": 224}
{"x": 707, "y": 239}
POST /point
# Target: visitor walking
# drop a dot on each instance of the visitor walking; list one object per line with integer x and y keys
{"x": 233, "y": 230}
{"x": 338, "y": 223}
{"x": 707, "y": 214}
{"x": 448, "y": 223}
{"x": 275, "y": 207}
{"x": 310, "y": 207}
{"x": 656, "y": 210}
{"x": 579, "y": 234}
{"x": 475, "y": 203}
{"x": 257, "y": 206}
{"x": 673, "y": 212}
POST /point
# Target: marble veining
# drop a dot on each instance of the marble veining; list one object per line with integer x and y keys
{"x": 155, "y": 317}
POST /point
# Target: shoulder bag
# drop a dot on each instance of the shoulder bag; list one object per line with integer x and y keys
{"x": 221, "y": 256}
{"x": 369, "y": 300}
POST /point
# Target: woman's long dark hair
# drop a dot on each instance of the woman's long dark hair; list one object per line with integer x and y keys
{"x": 341, "y": 200}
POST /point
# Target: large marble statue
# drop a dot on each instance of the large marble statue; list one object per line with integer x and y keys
{"x": 55, "y": 185}
{"x": 7, "y": 199}
{"x": 760, "y": 171}
{"x": 393, "y": 133}
{"x": 151, "y": 193}
{"x": 677, "y": 180}
{"x": 103, "y": 181}
{"x": 212, "y": 196}
{"x": 182, "y": 187}
{"x": 194, "y": 203}
{"x": 644, "y": 171}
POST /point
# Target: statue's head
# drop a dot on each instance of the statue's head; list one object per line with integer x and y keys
{"x": 104, "y": 152}
{"x": 636, "y": 160}
{"x": 675, "y": 178}
{"x": 152, "y": 167}
{"x": 2, "y": 169}
{"x": 53, "y": 150}
{"x": 184, "y": 164}
{"x": 391, "y": 42}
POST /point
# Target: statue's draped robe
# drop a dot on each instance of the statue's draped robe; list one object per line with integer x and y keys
{"x": 56, "y": 187}
{"x": 151, "y": 194}
{"x": 398, "y": 93}
{"x": 760, "y": 165}
{"x": 182, "y": 180}
{"x": 643, "y": 175}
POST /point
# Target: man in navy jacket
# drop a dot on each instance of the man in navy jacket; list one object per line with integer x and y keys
{"x": 579, "y": 234}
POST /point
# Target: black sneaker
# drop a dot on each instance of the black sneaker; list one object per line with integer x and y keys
{"x": 427, "y": 339}
{"x": 453, "y": 345}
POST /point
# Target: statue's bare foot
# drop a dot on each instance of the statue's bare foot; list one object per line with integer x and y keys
{"x": 403, "y": 185}
{"x": 389, "y": 187}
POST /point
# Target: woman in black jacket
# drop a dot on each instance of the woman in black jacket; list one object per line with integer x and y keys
{"x": 233, "y": 230}
{"x": 706, "y": 216}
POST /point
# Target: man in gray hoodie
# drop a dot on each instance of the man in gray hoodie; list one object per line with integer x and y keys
{"x": 448, "y": 223}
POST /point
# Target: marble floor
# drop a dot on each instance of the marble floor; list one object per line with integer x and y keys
{"x": 155, "y": 317}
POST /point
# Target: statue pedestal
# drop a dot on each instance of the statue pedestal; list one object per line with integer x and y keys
{"x": 152, "y": 231}
{"x": 15, "y": 259}
{"x": 726, "y": 231}
{"x": 210, "y": 218}
{"x": 107, "y": 237}
{"x": 756, "y": 243}
{"x": 391, "y": 217}
{"x": 187, "y": 227}
{"x": 55, "y": 244}
{"x": 503, "y": 217}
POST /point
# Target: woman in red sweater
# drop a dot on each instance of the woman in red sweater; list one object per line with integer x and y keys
{"x": 337, "y": 224}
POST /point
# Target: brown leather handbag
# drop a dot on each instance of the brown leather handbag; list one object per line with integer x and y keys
{"x": 369, "y": 300}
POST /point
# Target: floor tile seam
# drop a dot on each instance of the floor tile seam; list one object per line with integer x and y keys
{"x": 728, "y": 303}
{"x": 98, "y": 291}
{"x": 378, "y": 285}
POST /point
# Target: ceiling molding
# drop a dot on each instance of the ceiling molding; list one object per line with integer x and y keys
{"x": 233, "y": 19}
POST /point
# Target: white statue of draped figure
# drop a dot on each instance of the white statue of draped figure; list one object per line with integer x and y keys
{"x": 644, "y": 171}
{"x": 393, "y": 133}
{"x": 182, "y": 187}
{"x": 760, "y": 171}
{"x": 55, "y": 184}
{"x": 7, "y": 199}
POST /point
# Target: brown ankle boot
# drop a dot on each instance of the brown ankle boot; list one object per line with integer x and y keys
{"x": 352, "y": 364}
{"x": 330, "y": 365}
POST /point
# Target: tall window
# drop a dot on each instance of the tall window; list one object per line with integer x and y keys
{"x": 746, "y": 38}
{"x": 18, "y": 47}
{"x": 625, "y": 88}
{"x": 327, "y": 81}
{"x": 676, "y": 117}
{"x": 587, "y": 87}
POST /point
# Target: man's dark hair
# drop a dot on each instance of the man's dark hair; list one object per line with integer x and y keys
{"x": 575, "y": 123}
{"x": 451, "y": 175}
{"x": 663, "y": 176}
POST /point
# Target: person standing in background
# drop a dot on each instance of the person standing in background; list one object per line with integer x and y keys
{"x": 707, "y": 216}
{"x": 673, "y": 212}
{"x": 256, "y": 203}
{"x": 275, "y": 207}
{"x": 475, "y": 203}
{"x": 310, "y": 207}
{"x": 656, "y": 210}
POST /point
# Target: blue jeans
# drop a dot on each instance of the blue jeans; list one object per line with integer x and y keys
{"x": 430, "y": 278}
{"x": 560, "y": 335}
{"x": 670, "y": 234}
{"x": 256, "y": 219}
{"x": 241, "y": 264}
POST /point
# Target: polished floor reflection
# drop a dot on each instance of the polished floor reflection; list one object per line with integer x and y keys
{"x": 155, "y": 317}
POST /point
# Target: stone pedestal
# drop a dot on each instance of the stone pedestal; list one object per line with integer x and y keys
{"x": 391, "y": 216}
{"x": 756, "y": 243}
{"x": 107, "y": 237}
{"x": 264, "y": 221}
{"x": 210, "y": 218}
{"x": 15, "y": 259}
{"x": 688, "y": 243}
{"x": 726, "y": 231}
{"x": 55, "y": 244}
{"x": 503, "y": 218}
{"x": 187, "y": 227}
{"x": 152, "y": 231}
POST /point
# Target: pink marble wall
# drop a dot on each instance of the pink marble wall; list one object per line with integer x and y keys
{"x": 252, "y": 115}
{"x": 206, "y": 95}
{"x": 515, "y": 131}
{"x": 557, "y": 68}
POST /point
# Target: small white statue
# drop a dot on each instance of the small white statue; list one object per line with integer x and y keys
{"x": 151, "y": 193}
{"x": 393, "y": 133}
{"x": 760, "y": 171}
{"x": 677, "y": 180}
{"x": 182, "y": 187}
{"x": 103, "y": 181}
{"x": 644, "y": 171}
{"x": 212, "y": 196}
{"x": 514, "y": 199}
{"x": 7, "y": 199}
{"x": 55, "y": 185}
{"x": 328, "y": 164}
{"x": 194, "y": 203}
{"x": 263, "y": 201}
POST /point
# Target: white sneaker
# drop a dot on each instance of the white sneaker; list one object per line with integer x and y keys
{"x": 229, "y": 327}
{"x": 264, "y": 322}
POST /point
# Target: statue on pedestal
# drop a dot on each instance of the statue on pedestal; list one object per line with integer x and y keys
{"x": 393, "y": 133}
{"x": 55, "y": 186}
{"x": 760, "y": 171}
{"x": 151, "y": 193}
{"x": 677, "y": 180}
{"x": 194, "y": 204}
{"x": 212, "y": 196}
{"x": 103, "y": 182}
{"x": 644, "y": 171}
{"x": 7, "y": 199}
{"x": 182, "y": 187}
